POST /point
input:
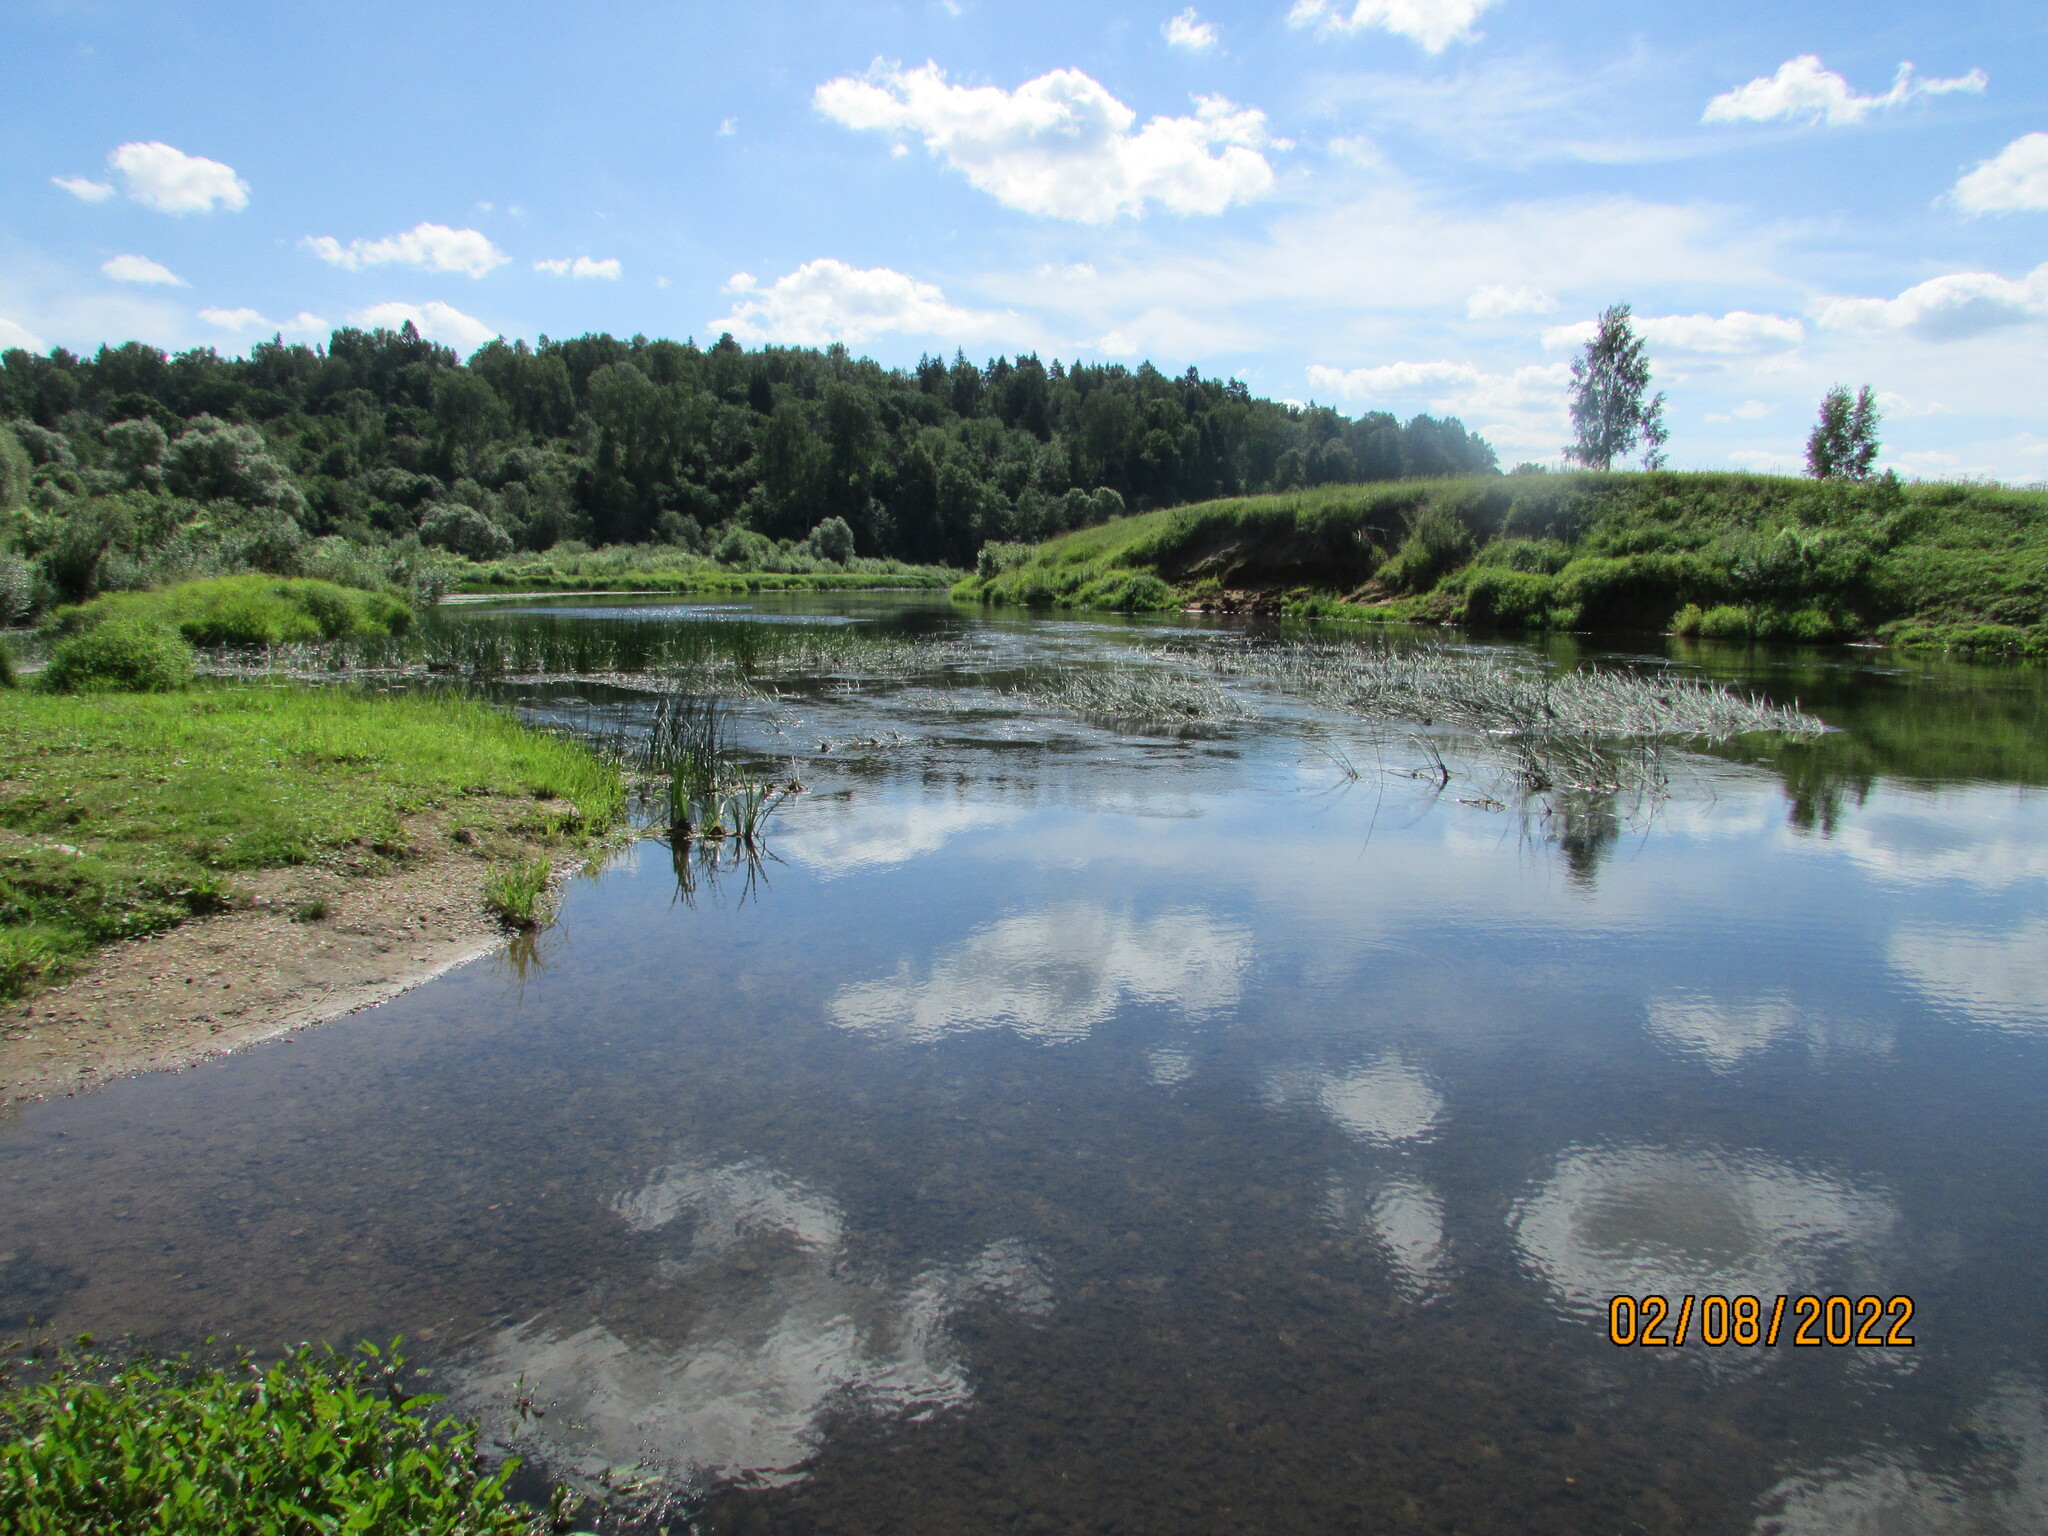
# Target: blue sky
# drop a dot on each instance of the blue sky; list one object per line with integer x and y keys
{"x": 1377, "y": 204}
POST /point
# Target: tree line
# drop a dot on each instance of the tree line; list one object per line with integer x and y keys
{"x": 383, "y": 436}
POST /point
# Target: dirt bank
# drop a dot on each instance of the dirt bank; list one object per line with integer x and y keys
{"x": 308, "y": 944}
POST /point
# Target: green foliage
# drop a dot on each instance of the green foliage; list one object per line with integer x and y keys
{"x": 391, "y": 443}
{"x": 1801, "y": 560}
{"x": 1843, "y": 444}
{"x": 130, "y": 812}
{"x": 248, "y": 610}
{"x": 317, "y": 1443}
{"x": 121, "y": 655}
{"x": 1613, "y": 412}
{"x": 517, "y": 894}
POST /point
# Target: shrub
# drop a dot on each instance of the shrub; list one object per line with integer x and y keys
{"x": 1509, "y": 599}
{"x": 1126, "y": 592}
{"x": 319, "y": 1442}
{"x": 1729, "y": 621}
{"x": 1437, "y": 542}
{"x": 1545, "y": 557}
{"x": 465, "y": 531}
{"x": 832, "y": 540}
{"x": 250, "y": 610}
{"x": 996, "y": 558}
{"x": 119, "y": 656}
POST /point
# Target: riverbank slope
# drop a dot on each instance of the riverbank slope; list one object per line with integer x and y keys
{"x": 183, "y": 872}
{"x": 1726, "y": 556}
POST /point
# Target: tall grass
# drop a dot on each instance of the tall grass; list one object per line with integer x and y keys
{"x": 519, "y": 894}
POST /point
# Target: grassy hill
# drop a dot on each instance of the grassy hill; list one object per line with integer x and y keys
{"x": 1726, "y": 556}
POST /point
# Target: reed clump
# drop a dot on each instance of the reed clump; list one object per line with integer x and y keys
{"x": 520, "y": 894}
{"x": 1154, "y": 696}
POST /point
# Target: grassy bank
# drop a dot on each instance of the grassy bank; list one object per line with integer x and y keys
{"x": 124, "y": 814}
{"x": 668, "y": 568}
{"x": 318, "y": 1442}
{"x": 1722, "y": 556}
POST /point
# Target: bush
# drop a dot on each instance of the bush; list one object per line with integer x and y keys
{"x": 1729, "y": 621}
{"x": 465, "y": 531}
{"x": 1508, "y": 599}
{"x": 517, "y": 894}
{"x": 1437, "y": 542}
{"x": 1544, "y": 557}
{"x": 996, "y": 557}
{"x": 832, "y": 540}
{"x": 319, "y": 1442}
{"x": 249, "y": 610}
{"x": 119, "y": 656}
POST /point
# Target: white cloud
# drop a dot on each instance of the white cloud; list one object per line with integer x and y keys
{"x": 728, "y": 126}
{"x": 2015, "y": 180}
{"x": 1494, "y": 302}
{"x": 1749, "y": 410}
{"x": 581, "y": 266}
{"x": 1764, "y": 461}
{"x": 1737, "y": 332}
{"x": 140, "y": 269}
{"x": 1803, "y": 90}
{"x": 84, "y": 188}
{"x": 1189, "y": 31}
{"x": 236, "y": 320}
{"x": 826, "y": 300}
{"x": 1944, "y": 308}
{"x": 171, "y": 181}
{"x": 1061, "y": 146}
{"x": 14, "y": 334}
{"x": 432, "y": 247}
{"x": 1435, "y": 24}
{"x": 434, "y": 320}
{"x": 1521, "y": 408}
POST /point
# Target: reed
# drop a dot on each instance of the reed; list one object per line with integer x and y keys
{"x": 519, "y": 894}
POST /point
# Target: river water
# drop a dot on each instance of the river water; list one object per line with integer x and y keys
{"x": 1070, "y": 1127}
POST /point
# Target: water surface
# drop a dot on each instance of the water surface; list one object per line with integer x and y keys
{"x": 1069, "y": 1128}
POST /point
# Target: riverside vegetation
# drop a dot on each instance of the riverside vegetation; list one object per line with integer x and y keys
{"x": 1717, "y": 556}
{"x": 383, "y": 459}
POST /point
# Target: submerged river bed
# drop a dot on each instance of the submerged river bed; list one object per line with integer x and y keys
{"x": 1245, "y": 1126}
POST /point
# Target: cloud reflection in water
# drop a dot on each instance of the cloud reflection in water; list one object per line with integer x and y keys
{"x": 754, "y": 1326}
{"x": 1651, "y": 1221}
{"x": 1053, "y": 976}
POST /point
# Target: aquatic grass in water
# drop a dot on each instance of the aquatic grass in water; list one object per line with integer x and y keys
{"x": 1485, "y": 692}
{"x": 518, "y": 893}
{"x": 1154, "y": 696}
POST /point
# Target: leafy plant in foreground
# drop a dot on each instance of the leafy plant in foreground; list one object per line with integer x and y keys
{"x": 318, "y": 1443}
{"x": 518, "y": 893}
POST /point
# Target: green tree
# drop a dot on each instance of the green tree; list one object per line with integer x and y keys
{"x": 1843, "y": 444}
{"x": 1613, "y": 411}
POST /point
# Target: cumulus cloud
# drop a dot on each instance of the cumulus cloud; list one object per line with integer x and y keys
{"x": 84, "y": 188}
{"x": 171, "y": 181}
{"x": 1494, "y": 302}
{"x": 1435, "y": 24}
{"x": 1061, "y": 146}
{"x": 14, "y": 334}
{"x": 431, "y": 247}
{"x": 1522, "y": 408}
{"x": 581, "y": 266}
{"x": 1749, "y": 410}
{"x": 1803, "y": 90}
{"x": 1944, "y": 308}
{"x": 2015, "y": 180}
{"x": 1739, "y": 332}
{"x": 826, "y": 301}
{"x": 1189, "y": 31}
{"x": 140, "y": 269}
{"x": 434, "y": 320}
{"x": 250, "y": 320}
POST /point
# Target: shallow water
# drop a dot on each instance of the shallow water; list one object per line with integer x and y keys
{"x": 1067, "y": 1128}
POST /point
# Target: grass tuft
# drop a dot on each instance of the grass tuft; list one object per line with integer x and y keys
{"x": 520, "y": 894}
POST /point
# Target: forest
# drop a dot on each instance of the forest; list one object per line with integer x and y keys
{"x": 133, "y": 466}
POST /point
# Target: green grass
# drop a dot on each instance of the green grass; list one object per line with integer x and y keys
{"x": 665, "y": 568}
{"x": 517, "y": 893}
{"x": 317, "y": 1443}
{"x": 1735, "y": 556}
{"x": 119, "y": 656}
{"x": 124, "y": 814}
{"x": 248, "y": 610}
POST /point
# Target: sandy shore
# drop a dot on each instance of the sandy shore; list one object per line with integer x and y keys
{"x": 221, "y": 983}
